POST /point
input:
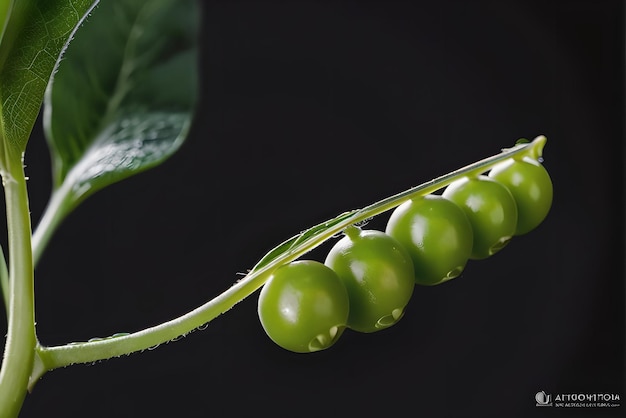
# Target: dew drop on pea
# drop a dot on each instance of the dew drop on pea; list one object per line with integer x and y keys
{"x": 389, "y": 320}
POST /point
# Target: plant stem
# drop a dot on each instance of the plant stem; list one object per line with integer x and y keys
{"x": 4, "y": 281}
{"x": 55, "y": 212}
{"x": 86, "y": 352}
{"x": 21, "y": 339}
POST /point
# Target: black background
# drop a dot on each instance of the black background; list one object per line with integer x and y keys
{"x": 309, "y": 109}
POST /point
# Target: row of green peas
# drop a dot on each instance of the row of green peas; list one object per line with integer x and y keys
{"x": 368, "y": 276}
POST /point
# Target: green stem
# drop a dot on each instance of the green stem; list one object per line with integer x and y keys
{"x": 4, "y": 281}
{"x": 21, "y": 339}
{"x": 86, "y": 352}
{"x": 55, "y": 212}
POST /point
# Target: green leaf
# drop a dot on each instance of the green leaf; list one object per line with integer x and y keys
{"x": 5, "y": 12}
{"x": 34, "y": 35}
{"x": 294, "y": 243}
{"x": 124, "y": 96}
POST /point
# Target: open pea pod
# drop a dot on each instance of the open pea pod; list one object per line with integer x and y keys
{"x": 122, "y": 100}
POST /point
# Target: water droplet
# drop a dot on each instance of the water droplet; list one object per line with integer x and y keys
{"x": 388, "y": 320}
{"x": 317, "y": 344}
{"x": 502, "y": 242}
{"x": 333, "y": 332}
{"x": 452, "y": 274}
{"x": 323, "y": 341}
